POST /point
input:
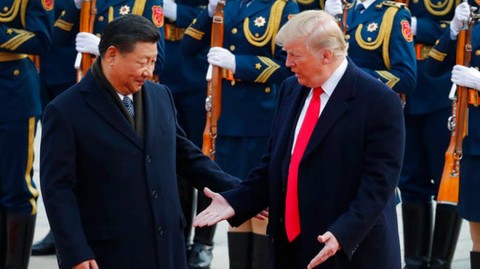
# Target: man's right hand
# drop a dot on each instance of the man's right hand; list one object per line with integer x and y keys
{"x": 462, "y": 14}
{"x": 90, "y": 264}
{"x": 334, "y": 7}
{"x": 212, "y": 7}
{"x": 217, "y": 211}
{"x": 78, "y": 3}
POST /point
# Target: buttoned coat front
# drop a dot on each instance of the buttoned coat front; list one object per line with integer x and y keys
{"x": 346, "y": 179}
{"x": 109, "y": 195}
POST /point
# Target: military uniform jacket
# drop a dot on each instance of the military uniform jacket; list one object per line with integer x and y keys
{"x": 442, "y": 58}
{"x": 67, "y": 26}
{"x": 431, "y": 93}
{"x": 110, "y": 195}
{"x": 25, "y": 28}
{"x": 184, "y": 73}
{"x": 248, "y": 101}
{"x": 381, "y": 43}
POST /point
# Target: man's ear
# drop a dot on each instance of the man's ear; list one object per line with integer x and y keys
{"x": 327, "y": 56}
{"x": 111, "y": 54}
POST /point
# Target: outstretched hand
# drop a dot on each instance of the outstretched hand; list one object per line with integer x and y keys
{"x": 331, "y": 247}
{"x": 217, "y": 211}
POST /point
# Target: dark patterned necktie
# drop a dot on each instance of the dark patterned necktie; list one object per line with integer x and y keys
{"x": 128, "y": 103}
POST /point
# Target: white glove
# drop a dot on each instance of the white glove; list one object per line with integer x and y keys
{"x": 212, "y": 6}
{"x": 413, "y": 26}
{"x": 87, "y": 43}
{"x": 334, "y": 7}
{"x": 466, "y": 77}
{"x": 221, "y": 57}
{"x": 78, "y": 3}
{"x": 170, "y": 9}
{"x": 462, "y": 14}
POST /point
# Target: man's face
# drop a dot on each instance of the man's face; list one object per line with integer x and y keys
{"x": 305, "y": 64}
{"x": 129, "y": 71}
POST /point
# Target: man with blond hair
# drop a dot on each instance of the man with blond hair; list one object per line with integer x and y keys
{"x": 333, "y": 161}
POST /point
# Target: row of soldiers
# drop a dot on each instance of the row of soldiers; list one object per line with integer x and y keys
{"x": 389, "y": 40}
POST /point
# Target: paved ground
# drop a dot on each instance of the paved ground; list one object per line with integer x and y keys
{"x": 220, "y": 260}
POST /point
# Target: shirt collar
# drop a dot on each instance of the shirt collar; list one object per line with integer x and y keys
{"x": 333, "y": 80}
{"x": 365, "y": 3}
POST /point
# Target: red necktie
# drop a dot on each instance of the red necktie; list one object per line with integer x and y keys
{"x": 292, "y": 217}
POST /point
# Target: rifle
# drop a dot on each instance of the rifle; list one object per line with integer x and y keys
{"x": 342, "y": 22}
{"x": 87, "y": 19}
{"x": 213, "y": 103}
{"x": 458, "y": 125}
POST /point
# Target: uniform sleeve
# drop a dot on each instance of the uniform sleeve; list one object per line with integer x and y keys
{"x": 429, "y": 30}
{"x": 34, "y": 34}
{"x": 400, "y": 74}
{"x": 186, "y": 14}
{"x": 442, "y": 56}
{"x": 66, "y": 25}
{"x": 197, "y": 35}
{"x": 266, "y": 68}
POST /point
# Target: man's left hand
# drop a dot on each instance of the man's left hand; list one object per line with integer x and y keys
{"x": 331, "y": 247}
{"x": 222, "y": 58}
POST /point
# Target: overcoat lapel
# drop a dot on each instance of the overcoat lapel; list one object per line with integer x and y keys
{"x": 337, "y": 105}
{"x": 99, "y": 100}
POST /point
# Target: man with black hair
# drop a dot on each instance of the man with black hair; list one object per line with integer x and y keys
{"x": 111, "y": 150}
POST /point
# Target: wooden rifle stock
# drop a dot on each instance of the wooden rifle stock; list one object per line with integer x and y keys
{"x": 213, "y": 103}
{"x": 458, "y": 124}
{"x": 342, "y": 22}
{"x": 87, "y": 19}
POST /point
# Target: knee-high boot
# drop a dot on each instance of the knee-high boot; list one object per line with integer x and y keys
{"x": 239, "y": 249}
{"x": 474, "y": 260}
{"x": 260, "y": 251}
{"x": 3, "y": 238}
{"x": 445, "y": 236}
{"x": 20, "y": 229}
{"x": 417, "y": 233}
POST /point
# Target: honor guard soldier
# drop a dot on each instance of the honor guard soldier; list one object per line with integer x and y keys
{"x": 57, "y": 74}
{"x": 380, "y": 41}
{"x": 442, "y": 59}
{"x": 25, "y": 29}
{"x": 253, "y": 68}
{"x": 185, "y": 77}
{"x": 426, "y": 112}
{"x": 67, "y": 26}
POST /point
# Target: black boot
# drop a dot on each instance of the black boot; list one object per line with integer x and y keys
{"x": 445, "y": 236}
{"x": 201, "y": 255}
{"x": 3, "y": 238}
{"x": 260, "y": 251}
{"x": 417, "y": 233}
{"x": 239, "y": 250}
{"x": 46, "y": 246}
{"x": 474, "y": 260}
{"x": 20, "y": 229}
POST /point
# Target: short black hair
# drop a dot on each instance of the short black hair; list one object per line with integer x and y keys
{"x": 126, "y": 31}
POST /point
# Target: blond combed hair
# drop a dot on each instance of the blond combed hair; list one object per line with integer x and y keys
{"x": 318, "y": 29}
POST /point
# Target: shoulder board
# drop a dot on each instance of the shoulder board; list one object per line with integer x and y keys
{"x": 393, "y": 4}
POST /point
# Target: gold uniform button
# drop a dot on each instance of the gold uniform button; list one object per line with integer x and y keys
{"x": 100, "y": 18}
{"x": 98, "y": 35}
{"x": 232, "y": 47}
{"x": 5, "y": 9}
{"x": 347, "y": 37}
{"x": 16, "y": 72}
{"x": 234, "y": 30}
{"x": 477, "y": 52}
{"x": 232, "y": 82}
{"x": 443, "y": 25}
{"x": 369, "y": 39}
{"x": 257, "y": 35}
{"x": 268, "y": 90}
{"x": 63, "y": 13}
